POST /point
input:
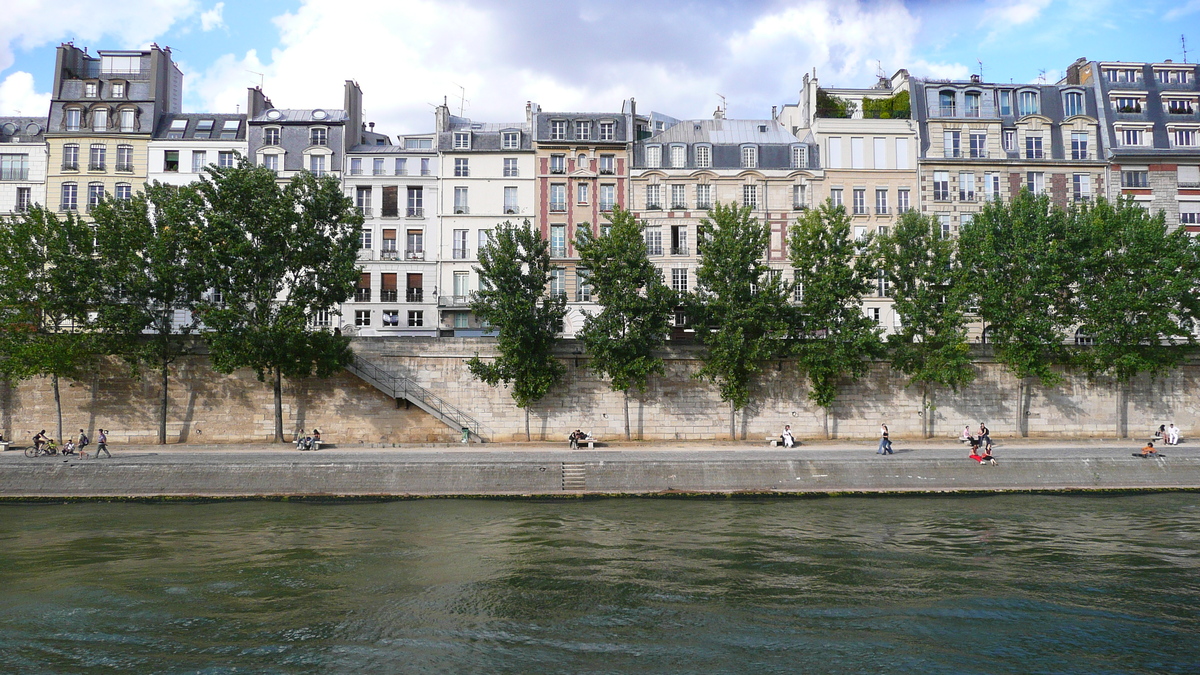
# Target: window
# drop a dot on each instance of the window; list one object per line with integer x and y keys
{"x": 678, "y": 196}
{"x": 462, "y": 140}
{"x": 510, "y": 140}
{"x": 90, "y": 89}
{"x": 318, "y": 136}
{"x": 583, "y": 285}
{"x": 800, "y": 156}
{"x": 1189, "y": 218}
{"x": 388, "y": 250}
{"x": 558, "y": 197}
{"x": 1179, "y": 106}
{"x": 416, "y": 203}
{"x": 608, "y": 131}
{"x": 1005, "y": 102}
{"x": 362, "y": 317}
{"x": 401, "y": 167}
{"x": 316, "y": 164}
{"x": 126, "y": 116}
{"x": 608, "y": 197}
{"x": 171, "y": 161}
{"x": 1131, "y": 137}
{"x": 1122, "y": 74}
{"x": 944, "y": 225}
{"x": 750, "y": 196}
{"x": 461, "y": 168}
{"x": 416, "y": 318}
{"x": 558, "y": 130}
{"x": 703, "y": 156}
{"x": 414, "y": 250}
{"x": 199, "y": 160}
{"x": 966, "y": 187}
{"x": 835, "y": 152}
{"x": 941, "y": 186}
{"x": 511, "y": 205}
{"x": 462, "y": 285}
{"x": 1033, "y": 146}
{"x": 484, "y": 239}
{"x": 1184, "y": 138}
{"x": 951, "y": 144}
{"x": 1010, "y": 140}
{"x": 1079, "y": 145}
{"x": 978, "y": 144}
{"x": 835, "y": 196}
{"x": 653, "y": 156}
{"x": 1173, "y": 76}
{"x": 860, "y": 201}
{"x": 991, "y": 186}
{"x": 14, "y": 167}
{"x": 946, "y": 104}
{"x": 654, "y": 241}
{"x": 1072, "y": 103}
{"x": 902, "y": 200}
{"x": 100, "y": 119}
{"x": 653, "y": 196}
{"x": 70, "y": 197}
{"x": 881, "y": 201}
{"x": 377, "y": 167}
{"x": 118, "y": 89}
{"x": 558, "y": 163}
{"x": 24, "y": 199}
{"x": 678, "y": 156}
{"x": 364, "y": 238}
{"x": 679, "y": 240}
{"x": 901, "y": 153}
{"x": 1127, "y": 104}
{"x": 96, "y": 157}
{"x": 271, "y": 161}
{"x": 799, "y": 196}
{"x": 510, "y": 167}
{"x": 1027, "y": 103}
{"x": 749, "y": 156}
{"x": 558, "y": 282}
{"x": 460, "y": 201}
{"x": 679, "y": 280}
{"x": 882, "y": 288}
{"x": 230, "y": 129}
{"x": 74, "y": 116}
{"x": 1081, "y": 188}
{"x": 95, "y": 194}
{"x": 418, "y": 144}
{"x": 583, "y": 130}
{"x": 973, "y": 103}
{"x": 271, "y": 136}
{"x": 581, "y": 193}
{"x": 460, "y": 251}
{"x": 607, "y": 165}
{"x": 1135, "y": 179}
{"x": 424, "y": 166}
{"x": 203, "y": 129}
{"x": 120, "y": 64}
{"x": 391, "y": 317}
{"x": 1035, "y": 181}
{"x": 856, "y": 153}
{"x": 356, "y": 166}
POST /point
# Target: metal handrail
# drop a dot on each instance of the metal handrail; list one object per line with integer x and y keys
{"x": 398, "y": 386}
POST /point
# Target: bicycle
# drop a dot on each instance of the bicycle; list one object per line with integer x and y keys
{"x": 47, "y": 448}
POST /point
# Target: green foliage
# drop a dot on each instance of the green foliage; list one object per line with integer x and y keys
{"x": 895, "y": 107}
{"x": 514, "y": 270}
{"x": 1021, "y": 271}
{"x": 928, "y": 292}
{"x": 1137, "y": 290}
{"x": 634, "y": 301}
{"x": 829, "y": 105}
{"x": 739, "y": 307}
{"x": 834, "y": 339}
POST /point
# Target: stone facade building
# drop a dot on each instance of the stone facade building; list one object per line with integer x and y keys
{"x": 23, "y": 163}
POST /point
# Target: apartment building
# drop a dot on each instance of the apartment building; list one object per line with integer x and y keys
{"x": 395, "y": 187}
{"x": 103, "y": 112}
{"x": 23, "y": 163}
{"x": 581, "y": 169}
{"x": 290, "y": 140}
{"x": 867, "y": 143}
{"x": 185, "y": 144}
{"x": 680, "y": 173}
{"x": 1149, "y": 115}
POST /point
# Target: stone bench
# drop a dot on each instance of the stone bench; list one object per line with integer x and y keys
{"x": 316, "y": 445}
{"x": 4, "y": 445}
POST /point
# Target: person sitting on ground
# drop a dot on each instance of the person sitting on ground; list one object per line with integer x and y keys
{"x": 68, "y": 447}
{"x": 987, "y": 455}
{"x": 786, "y": 439}
{"x": 1147, "y": 451}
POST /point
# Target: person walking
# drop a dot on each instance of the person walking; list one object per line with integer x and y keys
{"x": 102, "y": 444}
{"x": 82, "y": 444}
{"x": 885, "y": 443}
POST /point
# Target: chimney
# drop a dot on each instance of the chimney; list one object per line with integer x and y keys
{"x": 718, "y": 114}
{"x": 1073, "y": 70}
{"x": 529, "y": 113}
{"x": 975, "y": 78}
{"x": 372, "y": 125}
{"x": 774, "y": 113}
{"x": 441, "y": 117}
{"x": 257, "y": 102}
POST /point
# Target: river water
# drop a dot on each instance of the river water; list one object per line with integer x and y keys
{"x": 998, "y": 584}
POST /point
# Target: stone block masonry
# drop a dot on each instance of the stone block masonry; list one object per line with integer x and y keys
{"x": 207, "y": 407}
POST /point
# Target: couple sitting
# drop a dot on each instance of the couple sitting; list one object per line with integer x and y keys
{"x": 576, "y": 438}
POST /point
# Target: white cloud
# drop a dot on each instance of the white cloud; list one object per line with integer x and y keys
{"x": 213, "y": 18}
{"x": 18, "y": 96}
{"x": 672, "y": 58}
{"x": 1190, "y": 7}
{"x": 29, "y": 24}
{"x": 1010, "y": 13}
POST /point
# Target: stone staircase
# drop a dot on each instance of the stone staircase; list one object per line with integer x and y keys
{"x": 574, "y": 476}
{"x": 400, "y": 388}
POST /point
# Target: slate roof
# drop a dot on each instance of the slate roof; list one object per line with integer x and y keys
{"x": 24, "y": 129}
{"x": 725, "y": 132}
{"x": 163, "y": 129}
{"x": 300, "y": 116}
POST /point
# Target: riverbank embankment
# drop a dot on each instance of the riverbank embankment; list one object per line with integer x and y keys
{"x": 539, "y": 469}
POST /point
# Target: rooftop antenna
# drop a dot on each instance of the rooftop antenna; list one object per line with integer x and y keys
{"x": 980, "y": 62}
{"x": 1183, "y": 41}
{"x": 260, "y": 77}
{"x": 1042, "y": 76}
{"x": 462, "y": 99}
{"x": 879, "y": 69}
{"x": 724, "y": 106}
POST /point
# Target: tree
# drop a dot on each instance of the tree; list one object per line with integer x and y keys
{"x": 1138, "y": 301}
{"x": 928, "y": 293}
{"x": 514, "y": 270}
{"x": 739, "y": 307}
{"x": 148, "y": 278}
{"x": 634, "y": 301}
{"x": 1021, "y": 272}
{"x": 277, "y": 257}
{"x": 44, "y": 299}
{"x": 833, "y": 337}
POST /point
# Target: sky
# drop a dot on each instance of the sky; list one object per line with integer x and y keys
{"x": 488, "y": 57}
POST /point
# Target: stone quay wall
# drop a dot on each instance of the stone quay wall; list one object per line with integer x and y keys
{"x": 208, "y": 407}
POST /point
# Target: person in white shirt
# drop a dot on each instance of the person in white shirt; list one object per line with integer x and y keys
{"x": 1173, "y": 435}
{"x": 787, "y": 438}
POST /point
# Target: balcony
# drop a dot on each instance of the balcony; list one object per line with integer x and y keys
{"x": 362, "y": 295}
{"x": 607, "y": 171}
{"x": 966, "y": 195}
{"x": 417, "y": 212}
{"x": 426, "y": 172}
{"x": 972, "y": 111}
{"x": 1034, "y": 154}
{"x": 389, "y": 295}
{"x": 860, "y": 210}
{"x": 881, "y": 210}
{"x": 952, "y": 153}
{"x": 70, "y": 166}
{"x": 356, "y": 172}
{"x": 977, "y": 154}
{"x": 796, "y": 206}
{"x": 678, "y": 206}
{"x": 511, "y": 173}
{"x": 400, "y": 172}
{"x": 414, "y": 255}
{"x": 947, "y": 111}
{"x": 454, "y": 301}
{"x": 461, "y": 210}
{"x": 461, "y": 253}
{"x": 680, "y": 250}
{"x": 583, "y": 295}
{"x": 379, "y": 172}
{"x": 414, "y": 295}
{"x": 510, "y": 210}
{"x": 96, "y": 166}
{"x": 389, "y": 254}
{"x": 127, "y": 168}
{"x": 557, "y": 170}
{"x": 703, "y": 206}
{"x": 558, "y": 251}
{"x": 558, "y": 207}
{"x": 68, "y": 206}
{"x": 654, "y": 206}
{"x": 606, "y": 206}
{"x": 364, "y": 211}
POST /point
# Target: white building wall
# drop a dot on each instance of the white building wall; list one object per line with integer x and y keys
{"x": 185, "y": 147}
{"x": 35, "y": 179}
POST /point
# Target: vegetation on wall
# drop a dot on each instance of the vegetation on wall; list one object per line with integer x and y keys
{"x": 895, "y": 107}
{"x": 829, "y": 105}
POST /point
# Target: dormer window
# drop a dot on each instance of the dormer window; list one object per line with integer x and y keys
{"x": 1115, "y": 74}
{"x": 1072, "y": 103}
{"x": 972, "y": 99}
{"x": 230, "y": 129}
{"x": 583, "y": 130}
{"x": 462, "y": 140}
{"x": 1173, "y": 76}
{"x": 558, "y": 130}
{"x": 749, "y": 156}
{"x": 126, "y": 118}
{"x": 1127, "y": 104}
{"x": 74, "y": 118}
{"x": 510, "y": 140}
{"x": 1027, "y": 103}
{"x": 946, "y": 104}
{"x": 271, "y": 136}
{"x": 653, "y": 156}
{"x": 703, "y": 156}
{"x": 100, "y": 119}
{"x": 204, "y": 129}
{"x": 177, "y": 129}
{"x": 678, "y": 156}
{"x": 91, "y": 89}
{"x": 318, "y": 136}
{"x": 117, "y": 89}
{"x": 608, "y": 131}
{"x": 799, "y": 156}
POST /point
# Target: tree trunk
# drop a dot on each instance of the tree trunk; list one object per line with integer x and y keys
{"x": 825, "y": 421}
{"x": 924, "y": 410}
{"x": 732, "y": 422}
{"x": 627, "y": 415}
{"x": 1122, "y": 409}
{"x": 162, "y": 409}
{"x": 57, "y": 407}
{"x": 278, "y": 406}
{"x": 1022, "y": 418}
{"x": 527, "y": 437}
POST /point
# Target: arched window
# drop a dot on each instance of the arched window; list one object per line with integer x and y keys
{"x": 946, "y": 101}
{"x": 1027, "y": 103}
{"x": 1072, "y": 104}
{"x": 987, "y": 336}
